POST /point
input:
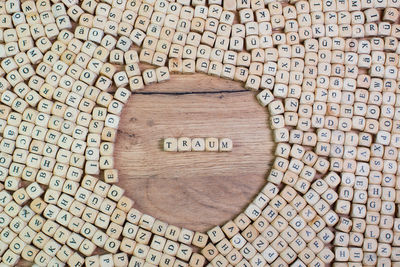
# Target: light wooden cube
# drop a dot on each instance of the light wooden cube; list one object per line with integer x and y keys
{"x": 111, "y": 176}
{"x": 225, "y": 145}
{"x": 171, "y": 144}
{"x": 162, "y": 74}
{"x": 198, "y": 144}
{"x": 212, "y": 144}
{"x": 184, "y": 144}
{"x": 149, "y": 76}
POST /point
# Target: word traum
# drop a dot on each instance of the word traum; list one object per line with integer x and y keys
{"x": 209, "y": 144}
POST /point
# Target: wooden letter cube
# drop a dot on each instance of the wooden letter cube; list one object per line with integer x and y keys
{"x": 170, "y": 144}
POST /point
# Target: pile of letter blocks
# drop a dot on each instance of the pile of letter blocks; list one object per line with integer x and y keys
{"x": 326, "y": 70}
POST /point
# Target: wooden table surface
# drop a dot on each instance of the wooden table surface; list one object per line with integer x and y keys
{"x": 195, "y": 190}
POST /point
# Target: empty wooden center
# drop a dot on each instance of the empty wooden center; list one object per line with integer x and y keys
{"x": 189, "y": 189}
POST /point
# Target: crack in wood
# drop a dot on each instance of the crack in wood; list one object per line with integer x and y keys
{"x": 192, "y": 93}
{"x": 132, "y": 135}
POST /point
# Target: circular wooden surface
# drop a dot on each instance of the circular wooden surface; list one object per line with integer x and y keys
{"x": 195, "y": 190}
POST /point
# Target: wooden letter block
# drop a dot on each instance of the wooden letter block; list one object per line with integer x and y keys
{"x": 111, "y": 176}
{"x": 198, "y": 144}
{"x": 171, "y": 144}
{"x": 184, "y": 144}
{"x": 212, "y": 144}
{"x": 225, "y": 145}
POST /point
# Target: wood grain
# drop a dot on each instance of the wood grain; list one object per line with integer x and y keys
{"x": 195, "y": 190}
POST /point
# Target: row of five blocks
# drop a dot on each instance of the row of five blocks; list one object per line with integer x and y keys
{"x": 210, "y": 144}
